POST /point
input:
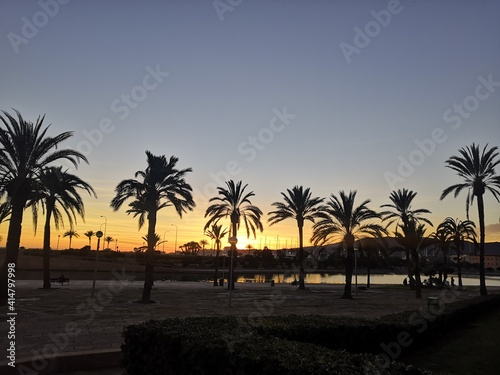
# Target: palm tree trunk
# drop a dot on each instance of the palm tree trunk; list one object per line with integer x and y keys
{"x": 418, "y": 284}
{"x": 149, "y": 269}
{"x": 12, "y": 246}
{"x": 482, "y": 276}
{"x": 459, "y": 266}
{"x": 46, "y": 247}
{"x": 349, "y": 266}
{"x": 234, "y": 223}
{"x": 368, "y": 269}
{"x": 445, "y": 272}
{"x": 70, "y": 238}
{"x": 302, "y": 272}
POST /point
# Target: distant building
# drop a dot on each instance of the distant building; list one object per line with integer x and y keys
{"x": 490, "y": 261}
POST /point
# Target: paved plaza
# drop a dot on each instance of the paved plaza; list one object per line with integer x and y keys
{"x": 67, "y": 320}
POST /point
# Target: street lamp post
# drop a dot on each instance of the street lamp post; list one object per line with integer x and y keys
{"x": 175, "y": 246}
{"x": 356, "y": 270}
{"x": 233, "y": 241}
{"x": 98, "y": 235}
{"x": 58, "y": 238}
{"x": 105, "y": 227}
{"x": 164, "y": 240}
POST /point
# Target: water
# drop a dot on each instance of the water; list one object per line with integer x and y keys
{"x": 326, "y": 278}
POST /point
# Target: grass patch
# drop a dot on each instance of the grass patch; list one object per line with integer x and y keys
{"x": 472, "y": 349}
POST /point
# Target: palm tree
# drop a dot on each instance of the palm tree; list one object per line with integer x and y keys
{"x": 89, "y": 234}
{"x": 71, "y": 233}
{"x": 203, "y": 243}
{"x": 57, "y": 188}
{"x": 442, "y": 240}
{"x": 156, "y": 240}
{"x": 402, "y": 213}
{"x": 459, "y": 231}
{"x": 478, "y": 171}
{"x": 216, "y": 234}
{"x": 4, "y": 211}
{"x": 161, "y": 185}
{"x": 108, "y": 239}
{"x": 233, "y": 202}
{"x": 299, "y": 206}
{"x": 341, "y": 219}
{"x": 25, "y": 149}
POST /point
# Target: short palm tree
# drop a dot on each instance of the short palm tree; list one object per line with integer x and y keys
{"x": 57, "y": 192}
{"x": 89, "y": 234}
{"x": 234, "y": 202}
{"x": 442, "y": 239}
{"x": 71, "y": 233}
{"x": 156, "y": 240}
{"x": 160, "y": 185}
{"x": 108, "y": 239}
{"x": 401, "y": 213}
{"x": 477, "y": 169}
{"x": 216, "y": 233}
{"x": 203, "y": 243}
{"x": 300, "y": 206}
{"x": 25, "y": 149}
{"x": 459, "y": 231}
{"x": 412, "y": 238}
{"x": 341, "y": 220}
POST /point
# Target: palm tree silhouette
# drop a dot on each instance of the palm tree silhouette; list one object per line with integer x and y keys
{"x": 233, "y": 202}
{"x": 402, "y": 213}
{"x": 340, "y": 218}
{"x": 25, "y": 149}
{"x": 203, "y": 243}
{"x": 156, "y": 240}
{"x": 108, "y": 239}
{"x": 57, "y": 192}
{"x": 299, "y": 206}
{"x": 442, "y": 240}
{"x": 161, "y": 185}
{"x": 89, "y": 234}
{"x": 412, "y": 239}
{"x": 4, "y": 211}
{"x": 459, "y": 231}
{"x": 71, "y": 233}
{"x": 477, "y": 168}
{"x": 216, "y": 233}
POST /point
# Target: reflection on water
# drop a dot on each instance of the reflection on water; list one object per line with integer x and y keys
{"x": 325, "y": 278}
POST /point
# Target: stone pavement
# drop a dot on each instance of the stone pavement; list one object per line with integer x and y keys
{"x": 67, "y": 320}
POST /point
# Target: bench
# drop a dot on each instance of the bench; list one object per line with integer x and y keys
{"x": 60, "y": 280}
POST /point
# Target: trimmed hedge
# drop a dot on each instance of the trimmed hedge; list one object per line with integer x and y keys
{"x": 294, "y": 344}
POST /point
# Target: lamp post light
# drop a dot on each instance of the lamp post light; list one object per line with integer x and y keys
{"x": 175, "y": 245}
{"x": 233, "y": 241}
{"x": 164, "y": 240}
{"x": 98, "y": 234}
{"x": 58, "y": 238}
{"x": 105, "y": 227}
{"x": 116, "y": 244}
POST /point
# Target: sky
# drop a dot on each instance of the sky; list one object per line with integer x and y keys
{"x": 332, "y": 95}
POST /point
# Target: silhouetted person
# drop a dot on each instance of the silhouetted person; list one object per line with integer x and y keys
{"x": 453, "y": 283}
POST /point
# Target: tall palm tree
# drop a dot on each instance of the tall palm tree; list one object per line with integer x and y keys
{"x": 57, "y": 192}
{"x": 25, "y": 149}
{"x": 160, "y": 185}
{"x": 71, "y": 233}
{"x": 402, "y": 213}
{"x": 89, "y": 234}
{"x": 341, "y": 219}
{"x": 299, "y": 205}
{"x": 216, "y": 233}
{"x": 234, "y": 203}
{"x": 477, "y": 169}
{"x": 459, "y": 231}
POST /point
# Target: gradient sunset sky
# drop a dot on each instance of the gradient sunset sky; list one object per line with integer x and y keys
{"x": 332, "y": 95}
